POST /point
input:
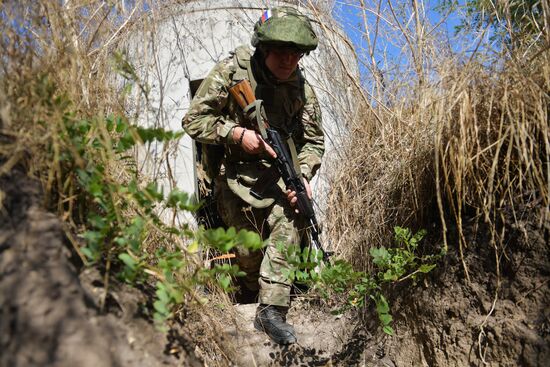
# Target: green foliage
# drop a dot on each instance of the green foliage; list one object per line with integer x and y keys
{"x": 393, "y": 265}
{"x": 395, "y": 262}
{"x": 383, "y": 310}
{"x": 224, "y": 240}
{"x": 302, "y": 263}
{"x": 120, "y": 215}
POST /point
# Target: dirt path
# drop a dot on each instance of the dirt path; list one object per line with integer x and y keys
{"x": 323, "y": 340}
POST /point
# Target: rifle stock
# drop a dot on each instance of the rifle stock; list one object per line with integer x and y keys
{"x": 243, "y": 94}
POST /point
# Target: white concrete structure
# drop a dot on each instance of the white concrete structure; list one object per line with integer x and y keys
{"x": 187, "y": 42}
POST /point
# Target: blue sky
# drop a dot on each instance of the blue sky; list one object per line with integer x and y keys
{"x": 389, "y": 48}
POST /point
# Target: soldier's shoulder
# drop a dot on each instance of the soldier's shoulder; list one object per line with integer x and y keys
{"x": 227, "y": 64}
{"x": 241, "y": 53}
{"x": 222, "y": 71}
{"x": 309, "y": 92}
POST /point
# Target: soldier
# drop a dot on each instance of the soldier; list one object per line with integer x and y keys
{"x": 281, "y": 38}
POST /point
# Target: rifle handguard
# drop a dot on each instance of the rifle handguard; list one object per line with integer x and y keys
{"x": 252, "y": 107}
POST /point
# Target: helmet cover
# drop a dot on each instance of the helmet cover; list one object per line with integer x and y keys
{"x": 285, "y": 26}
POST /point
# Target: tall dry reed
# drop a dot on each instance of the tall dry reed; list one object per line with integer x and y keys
{"x": 445, "y": 128}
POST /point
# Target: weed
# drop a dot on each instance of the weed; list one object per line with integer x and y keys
{"x": 123, "y": 214}
{"x": 394, "y": 264}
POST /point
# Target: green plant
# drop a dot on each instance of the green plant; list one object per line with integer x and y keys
{"x": 395, "y": 262}
{"x": 176, "y": 281}
{"x": 339, "y": 278}
{"x": 302, "y": 263}
{"x": 121, "y": 221}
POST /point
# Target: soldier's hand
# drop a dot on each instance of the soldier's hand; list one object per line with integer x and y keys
{"x": 252, "y": 142}
{"x": 291, "y": 195}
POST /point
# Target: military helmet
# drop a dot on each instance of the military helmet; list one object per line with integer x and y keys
{"x": 285, "y": 26}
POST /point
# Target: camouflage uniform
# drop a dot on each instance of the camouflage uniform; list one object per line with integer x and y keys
{"x": 292, "y": 108}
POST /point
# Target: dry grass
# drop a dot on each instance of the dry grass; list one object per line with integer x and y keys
{"x": 57, "y": 66}
{"x": 53, "y": 68}
{"x": 449, "y": 132}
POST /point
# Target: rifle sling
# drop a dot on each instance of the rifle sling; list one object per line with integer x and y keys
{"x": 294, "y": 155}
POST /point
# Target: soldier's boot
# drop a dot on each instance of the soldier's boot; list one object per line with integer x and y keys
{"x": 272, "y": 320}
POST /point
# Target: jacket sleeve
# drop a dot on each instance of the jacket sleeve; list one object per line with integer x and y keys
{"x": 205, "y": 120}
{"x": 312, "y": 145}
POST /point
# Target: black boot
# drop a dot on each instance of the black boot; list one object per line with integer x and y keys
{"x": 272, "y": 320}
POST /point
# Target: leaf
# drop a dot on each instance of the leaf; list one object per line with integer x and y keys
{"x": 289, "y": 274}
{"x": 121, "y": 125}
{"x": 193, "y": 247}
{"x": 418, "y": 237}
{"x": 224, "y": 281}
{"x": 128, "y": 260}
{"x": 250, "y": 240}
{"x": 218, "y": 239}
{"x": 382, "y": 305}
{"x": 231, "y": 232}
{"x": 380, "y": 255}
{"x": 93, "y": 237}
{"x": 425, "y": 268}
{"x": 162, "y": 295}
{"x": 390, "y": 275}
{"x": 385, "y": 318}
{"x": 160, "y": 307}
{"x": 177, "y": 295}
{"x": 121, "y": 241}
{"x": 88, "y": 253}
{"x": 388, "y": 330}
{"x": 183, "y": 201}
{"x": 154, "y": 191}
{"x": 402, "y": 235}
{"x": 300, "y": 275}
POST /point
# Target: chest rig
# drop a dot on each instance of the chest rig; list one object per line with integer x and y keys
{"x": 283, "y": 101}
{"x": 283, "y": 104}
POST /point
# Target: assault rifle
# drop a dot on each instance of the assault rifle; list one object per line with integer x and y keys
{"x": 243, "y": 94}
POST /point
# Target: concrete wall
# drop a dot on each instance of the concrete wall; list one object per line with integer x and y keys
{"x": 186, "y": 43}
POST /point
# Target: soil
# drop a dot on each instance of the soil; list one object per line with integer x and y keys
{"x": 450, "y": 321}
{"x": 50, "y": 314}
{"x": 323, "y": 340}
{"x": 50, "y": 310}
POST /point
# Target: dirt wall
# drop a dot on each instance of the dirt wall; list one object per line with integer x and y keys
{"x": 49, "y": 311}
{"x": 452, "y": 322}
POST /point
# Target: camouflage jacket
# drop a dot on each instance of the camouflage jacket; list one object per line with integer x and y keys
{"x": 213, "y": 114}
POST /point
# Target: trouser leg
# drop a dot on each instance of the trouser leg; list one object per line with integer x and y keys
{"x": 236, "y": 213}
{"x": 283, "y": 227}
{"x": 285, "y": 231}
